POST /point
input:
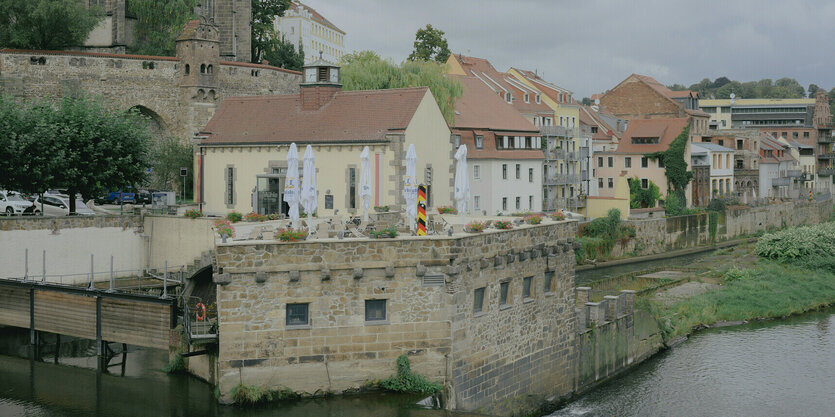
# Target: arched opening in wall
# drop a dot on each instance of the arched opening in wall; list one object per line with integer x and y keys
{"x": 212, "y": 95}
{"x": 209, "y": 69}
{"x": 188, "y": 69}
{"x": 156, "y": 126}
{"x": 202, "y": 68}
{"x": 201, "y": 94}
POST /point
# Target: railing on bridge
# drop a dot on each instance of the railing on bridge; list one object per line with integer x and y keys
{"x": 199, "y": 320}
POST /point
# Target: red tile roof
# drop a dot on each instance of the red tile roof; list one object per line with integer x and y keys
{"x": 480, "y": 108}
{"x": 350, "y": 116}
{"x": 552, "y": 91}
{"x": 91, "y": 54}
{"x": 767, "y": 143}
{"x": 664, "y": 129}
{"x": 501, "y": 83}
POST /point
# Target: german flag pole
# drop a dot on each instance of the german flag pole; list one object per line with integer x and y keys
{"x": 421, "y": 210}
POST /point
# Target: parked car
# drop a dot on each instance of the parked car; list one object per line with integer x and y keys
{"x": 12, "y": 203}
{"x": 119, "y": 197}
{"x": 59, "y": 205}
{"x": 143, "y": 197}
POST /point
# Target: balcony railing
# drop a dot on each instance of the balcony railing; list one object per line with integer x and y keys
{"x": 565, "y": 203}
{"x": 826, "y": 139}
{"x": 794, "y": 173}
{"x": 826, "y": 171}
{"x": 559, "y": 131}
{"x": 561, "y": 179}
{"x": 828, "y": 155}
{"x": 781, "y": 182}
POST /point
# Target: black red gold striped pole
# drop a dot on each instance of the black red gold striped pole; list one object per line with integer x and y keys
{"x": 421, "y": 211}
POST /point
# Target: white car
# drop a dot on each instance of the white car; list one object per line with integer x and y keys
{"x": 11, "y": 203}
{"x": 59, "y": 205}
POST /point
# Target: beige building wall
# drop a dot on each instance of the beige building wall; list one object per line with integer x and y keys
{"x": 427, "y": 130}
{"x": 652, "y": 172}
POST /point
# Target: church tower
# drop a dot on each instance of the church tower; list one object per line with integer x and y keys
{"x": 232, "y": 18}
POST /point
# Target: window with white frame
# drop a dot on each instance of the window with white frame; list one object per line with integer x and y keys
{"x": 611, "y": 183}
{"x": 600, "y": 183}
{"x": 644, "y": 183}
{"x": 504, "y": 203}
{"x": 476, "y": 172}
{"x": 477, "y": 202}
{"x": 530, "y": 174}
{"x": 518, "y": 203}
{"x": 479, "y": 141}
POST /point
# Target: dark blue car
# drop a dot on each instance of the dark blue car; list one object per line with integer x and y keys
{"x": 119, "y": 197}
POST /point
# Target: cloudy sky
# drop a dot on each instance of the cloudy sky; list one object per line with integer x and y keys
{"x": 589, "y": 46}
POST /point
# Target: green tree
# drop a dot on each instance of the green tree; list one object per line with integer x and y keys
{"x": 365, "y": 70}
{"x": 813, "y": 88}
{"x": 263, "y": 32}
{"x": 430, "y": 45}
{"x": 282, "y": 53}
{"x": 78, "y": 144}
{"x": 167, "y": 156}
{"x": 586, "y": 101}
{"x": 642, "y": 197}
{"x": 46, "y": 24}
{"x": 159, "y": 22}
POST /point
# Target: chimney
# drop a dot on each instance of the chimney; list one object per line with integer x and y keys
{"x": 314, "y": 97}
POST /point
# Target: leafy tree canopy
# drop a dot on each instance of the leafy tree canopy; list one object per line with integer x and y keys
{"x": 46, "y": 24}
{"x": 675, "y": 166}
{"x": 430, "y": 45}
{"x": 159, "y": 22}
{"x": 282, "y": 53}
{"x": 722, "y": 87}
{"x": 78, "y": 144}
{"x": 264, "y": 37}
{"x": 365, "y": 70}
{"x": 642, "y": 197}
{"x": 167, "y": 156}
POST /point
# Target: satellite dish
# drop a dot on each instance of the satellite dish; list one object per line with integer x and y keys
{"x": 733, "y": 96}
{"x": 597, "y": 101}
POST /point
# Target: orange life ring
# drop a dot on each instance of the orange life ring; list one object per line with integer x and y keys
{"x": 201, "y": 312}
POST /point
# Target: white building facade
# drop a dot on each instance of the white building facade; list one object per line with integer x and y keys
{"x": 302, "y": 25}
{"x": 505, "y": 185}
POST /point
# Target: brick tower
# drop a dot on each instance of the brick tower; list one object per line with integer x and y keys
{"x": 232, "y": 18}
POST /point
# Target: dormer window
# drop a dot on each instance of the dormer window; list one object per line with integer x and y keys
{"x": 479, "y": 142}
{"x": 644, "y": 141}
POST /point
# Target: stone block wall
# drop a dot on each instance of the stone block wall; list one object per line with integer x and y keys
{"x": 428, "y": 284}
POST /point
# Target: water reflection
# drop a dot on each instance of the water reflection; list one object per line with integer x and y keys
{"x": 776, "y": 368}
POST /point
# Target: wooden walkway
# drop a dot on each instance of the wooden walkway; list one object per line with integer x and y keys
{"x": 97, "y": 314}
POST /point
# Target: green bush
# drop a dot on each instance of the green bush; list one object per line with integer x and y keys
{"x": 675, "y": 206}
{"x": 593, "y": 248}
{"x": 408, "y": 381}
{"x": 717, "y": 204}
{"x": 799, "y": 244}
{"x": 640, "y": 197}
{"x": 234, "y": 217}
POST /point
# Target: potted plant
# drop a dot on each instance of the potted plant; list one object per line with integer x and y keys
{"x": 388, "y": 232}
{"x": 234, "y": 217}
{"x": 193, "y": 214}
{"x": 447, "y": 210}
{"x": 533, "y": 219}
{"x": 558, "y": 216}
{"x": 274, "y": 216}
{"x": 503, "y": 224}
{"x": 290, "y": 235}
{"x": 381, "y": 209}
{"x": 224, "y": 229}
{"x": 255, "y": 217}
{"x": 474, "y": 227}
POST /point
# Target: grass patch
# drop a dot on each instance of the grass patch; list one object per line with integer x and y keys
{"x": 767, "y": 290}
{"x": 252, "y": 395}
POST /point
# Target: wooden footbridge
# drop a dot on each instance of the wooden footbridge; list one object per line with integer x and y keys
{"x": 103, "y": 315}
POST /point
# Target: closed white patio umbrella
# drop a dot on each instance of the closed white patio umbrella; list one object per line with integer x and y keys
{"x": 410, "y": 187}
{"x": 365, "y": 182}
{"x": 308, "y": 195}
{"x": 291, "y": 184}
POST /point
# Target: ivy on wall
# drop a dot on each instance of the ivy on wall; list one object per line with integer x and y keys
{"x": 675, "y": 166}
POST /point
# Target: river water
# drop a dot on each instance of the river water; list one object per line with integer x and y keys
{"x": 774, "y": 368}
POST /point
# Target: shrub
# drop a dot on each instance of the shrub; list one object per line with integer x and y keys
{"x": 521, "y": 214}
{"x": 408, "y": 381}
{"x": 390, "y": 231}
{"x": 290, "y": 235}
{"x": 224, "y": 227}
{"x": 250, "y": 395}
{"x": 674, "y": 206}
{"x": 502, "y": 224}
{"x": 273, "y": 216}
{"x": 234, "y": 217}
{"x": 255, "y": 217}
{"x": 447, "y": 210}
{"x": 609, "y": 227}
{"x": 533, "y": 219}
{"x": 593, "y": 248}
{"x": 381, "y": 208}
{"x": 735, "y": 274}
{"x": 716, "y": 204}
{"x": 474, "y": 227}
{"x": 805, "y": 243}
{"x": 193, "y": 214}
{"x": 558, "y": 216}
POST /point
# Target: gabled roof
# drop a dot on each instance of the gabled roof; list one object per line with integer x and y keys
{"x": 665, "y": 130}
{"x": 605, "y": 131}
{"x": 316, "y": 16}
{"x": 551, "y": 90}
{"x": 350, "y": 116}
{"x": 502, "y": 83}
{"x": 769, "y": 143}
{"x": 480, "y": 108}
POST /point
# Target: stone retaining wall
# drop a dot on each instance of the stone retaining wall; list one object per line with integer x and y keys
{"x": 496, "y": 360}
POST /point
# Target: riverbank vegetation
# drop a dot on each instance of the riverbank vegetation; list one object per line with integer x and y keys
{"x": 599, "y": 236}
{"x": 793, "y": 273}
{"x": 408, "y": 381}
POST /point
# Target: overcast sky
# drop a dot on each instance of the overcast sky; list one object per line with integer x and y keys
{"x": 588, "y": 46}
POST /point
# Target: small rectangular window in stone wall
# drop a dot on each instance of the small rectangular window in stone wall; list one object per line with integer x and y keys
{"x": 549, "y": 280}
{"x": 297, "y": 314}
{"x": 504, "y": 292}
{"x": 375, "y": 310}
{"x": 478, "y": 300}
{"x": 526, "y": 287}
